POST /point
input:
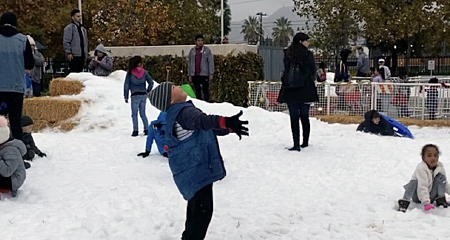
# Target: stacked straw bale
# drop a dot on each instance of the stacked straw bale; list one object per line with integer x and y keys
{"x": 343, "y": 119}
{"x": 62, "y": 86}
{"x": 52, "y": 112}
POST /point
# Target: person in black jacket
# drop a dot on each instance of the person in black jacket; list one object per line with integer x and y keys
{"x": 300, "y": 91}
{"x": 32, "y": 149}
{"x": 376, "y": 124}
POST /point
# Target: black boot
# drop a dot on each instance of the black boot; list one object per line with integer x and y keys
{"x": 295, "y": 148}
{"x": 26, "y": 164}
{"x": 135, "y": 134}
{"x": 145, "y": 132}
{"x": 304, "y": 145}
{"x": 441, "y": 202}
{"x": 403, "y": 205}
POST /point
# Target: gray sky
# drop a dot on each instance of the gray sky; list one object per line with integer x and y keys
{"x": 241, "y": 9}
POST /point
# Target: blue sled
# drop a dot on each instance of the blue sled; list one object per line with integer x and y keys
{"x": 399, "y": 128}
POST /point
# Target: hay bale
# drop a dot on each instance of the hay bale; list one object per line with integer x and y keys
{"x": 61, "y": 86}
{"x": 65, "y": 126}
{"x": 344, "y": 119}
{"x": 51, "y": 109}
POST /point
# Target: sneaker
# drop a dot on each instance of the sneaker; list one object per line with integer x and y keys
{"x": 441, "y": 202}
{"x": 135, "y": 134}
{"x": 403, "y": 205}
{"x": 145, "y": 132}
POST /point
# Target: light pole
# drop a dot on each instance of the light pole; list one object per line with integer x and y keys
{"x": 260, "y": 14}
{"x": 79, "y": 8}
{"x": 221, "y": 22}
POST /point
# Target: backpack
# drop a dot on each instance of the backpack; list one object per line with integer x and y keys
{"x": 293, "y": 76}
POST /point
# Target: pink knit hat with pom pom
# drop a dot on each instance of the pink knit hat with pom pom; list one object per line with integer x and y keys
{"x": 4, "y": 130}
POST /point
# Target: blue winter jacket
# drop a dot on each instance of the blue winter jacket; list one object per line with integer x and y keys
{"x": 157, "y": 133}
{"x": 196, "y": 161}
{"x": 137, "y": 84}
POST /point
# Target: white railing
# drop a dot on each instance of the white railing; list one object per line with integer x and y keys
{"x": 411, "y": 100}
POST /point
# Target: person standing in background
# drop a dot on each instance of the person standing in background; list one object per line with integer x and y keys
{"x": 201, "y": 68}
{"x": 387, "y": 71}
{"x": 36, "y": 73}
{"x": 16, "y": 58}
{"x": 75, "y": 43}
{"x": 363, "y": 64}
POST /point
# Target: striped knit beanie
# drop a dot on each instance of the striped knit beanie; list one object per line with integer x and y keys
{"x": 161, "y": 96}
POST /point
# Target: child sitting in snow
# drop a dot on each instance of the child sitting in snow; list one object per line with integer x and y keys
{"x": 428, "y": 182}
{"x": 32, "y": 149}
{"x": 374, "y": 123}
{"x": 157, "y": 132}
{"x": 194, "y": 155}
{"x": 12, "y": 169}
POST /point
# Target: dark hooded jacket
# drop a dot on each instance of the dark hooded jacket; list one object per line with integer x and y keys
{"x": 382, "y": 128}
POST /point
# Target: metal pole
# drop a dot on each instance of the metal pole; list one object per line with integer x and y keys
{"x": 260, "y": 29}
{"x": 222, "y": 23}
{"x": 79, "y": 8}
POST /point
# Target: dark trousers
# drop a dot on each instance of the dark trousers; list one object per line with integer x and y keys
{"x": 201, "y": 85}
{"x": 36, "y": 89}
{"x": 14, "y": 104}
{"x": 76, "y": 65}
{"x": 299, "y": 111}
{"x": 5, "y": 182}
{"x": 198, "y": 215}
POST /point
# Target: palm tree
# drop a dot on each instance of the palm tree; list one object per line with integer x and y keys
{"x": 282, "y": 32}
{"x": 251, "y": 30}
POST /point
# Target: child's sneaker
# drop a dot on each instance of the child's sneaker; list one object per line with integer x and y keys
{"x": 403, "y": 205}
{"x": 441, "y": 202}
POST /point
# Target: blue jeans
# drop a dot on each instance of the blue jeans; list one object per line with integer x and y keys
{"x": 299, "y": 111}
{"x": 138, "y": 104}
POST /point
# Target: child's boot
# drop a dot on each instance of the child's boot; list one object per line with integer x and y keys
{"x": 135, "y": 134}
{"x": 403, "y": 205}
{"x": 441, "y": 202}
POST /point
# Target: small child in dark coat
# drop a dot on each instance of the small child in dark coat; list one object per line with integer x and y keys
{"x": 376, "y": 124}
{"x": 32, "y": 149}
{"x": 194, "y": 154}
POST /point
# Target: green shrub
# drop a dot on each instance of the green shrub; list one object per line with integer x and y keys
{"x": 230, "y": 79}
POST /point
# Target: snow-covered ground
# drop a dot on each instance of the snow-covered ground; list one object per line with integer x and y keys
{"x": 344, "y": 186}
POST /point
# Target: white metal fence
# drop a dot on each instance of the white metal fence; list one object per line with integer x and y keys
{"x": 410, "y": 100}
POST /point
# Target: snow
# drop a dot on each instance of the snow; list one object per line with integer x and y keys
{"x": 344, "y": 186}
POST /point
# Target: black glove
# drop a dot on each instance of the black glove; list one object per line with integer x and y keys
{"x": 144, "y": 154}
{"x": 235, "y": 125}
{"x": 165, "y": 155}
{"x": 157, "y": 125}
{"x": 42, "y": 154}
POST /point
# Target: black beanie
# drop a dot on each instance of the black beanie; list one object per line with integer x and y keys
{"x": 300, "y": 37}
{"x": 8, "y": 18}
{"x": 26, "y": 120}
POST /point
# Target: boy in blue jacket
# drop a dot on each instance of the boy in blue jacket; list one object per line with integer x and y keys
{"x": 157, "y": 132}
{"x": 194, "y": 155}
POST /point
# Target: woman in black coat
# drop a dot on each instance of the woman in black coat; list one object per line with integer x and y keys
{"x": 299, "y": 89}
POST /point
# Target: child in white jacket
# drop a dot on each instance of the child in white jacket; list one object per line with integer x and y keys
{"x": 428, "y": 183}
